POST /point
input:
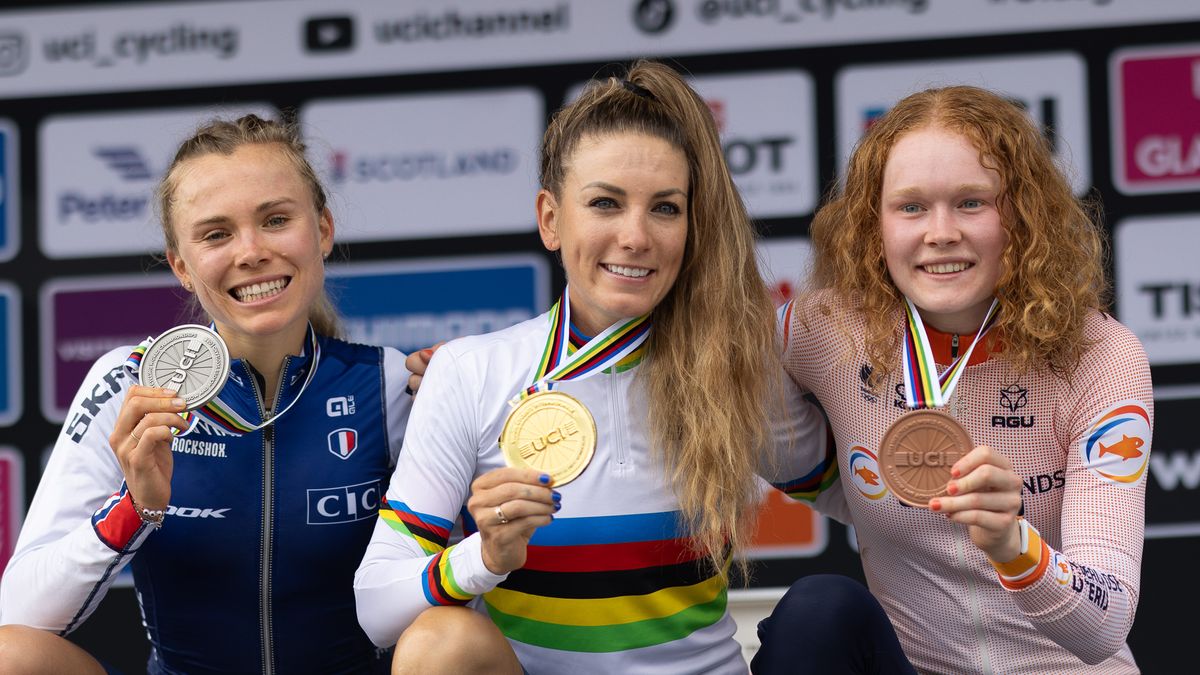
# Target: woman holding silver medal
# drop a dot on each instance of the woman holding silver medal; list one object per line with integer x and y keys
{"x": 955, "y": 270}
{"x": 603, "y": 454}
{"x": 244, "y": 531}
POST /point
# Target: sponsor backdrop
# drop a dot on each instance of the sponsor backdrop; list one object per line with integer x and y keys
{"x": 424, "y": 116}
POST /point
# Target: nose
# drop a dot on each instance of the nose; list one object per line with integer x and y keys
{"x": 251, "y": 249}
{"x": 634, "y": 231}
{"x": 943, "y": 228}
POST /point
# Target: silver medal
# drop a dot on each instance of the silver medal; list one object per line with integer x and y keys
{"x": 193, "y": 360}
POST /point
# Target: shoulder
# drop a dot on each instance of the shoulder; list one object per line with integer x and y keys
{"x": 350, "y": 353}
{"x": 516, "y": 339}
{"x": 1110, "y": 340}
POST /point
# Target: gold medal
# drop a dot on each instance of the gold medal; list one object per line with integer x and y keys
{"x": 917, "y": 452}
{"x": 551, "y": 432}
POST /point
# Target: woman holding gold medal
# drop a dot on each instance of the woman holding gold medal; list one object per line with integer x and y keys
{"x": 993, "y": 424}
{"x": 243, "y": 535}
{"x": 603, "y": 454}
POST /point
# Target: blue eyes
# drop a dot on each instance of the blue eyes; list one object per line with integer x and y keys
{"x": 968, "y": 204}
{"x": 664, "y": 208}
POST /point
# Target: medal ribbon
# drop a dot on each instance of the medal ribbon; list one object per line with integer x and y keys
{"x": 601, "y": 352}
{"x": 217, "y": 411}
{"x": 923, "y": 387}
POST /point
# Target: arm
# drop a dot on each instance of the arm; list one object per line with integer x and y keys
{"x": 398, "y": 398}
{"x": 408, "y": 566}
{"x": 1083, "y": 597}
{"x": 81, "y": 529}
{"x": 805, "y": 465}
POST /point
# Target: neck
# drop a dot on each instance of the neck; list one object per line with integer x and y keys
{"x": 266, "y": 354}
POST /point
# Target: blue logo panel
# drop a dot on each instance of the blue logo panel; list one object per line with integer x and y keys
{"x": 10, "y": 356}
{"x": 10, "y": 225}
{"x": 413, "y": 305}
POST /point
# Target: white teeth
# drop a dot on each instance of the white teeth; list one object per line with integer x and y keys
{"x": 259, "y": 291}
{"x": 946, "y": 268}
{"x": 634, "y": 272}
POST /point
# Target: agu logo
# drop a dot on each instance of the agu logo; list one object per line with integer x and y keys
{"x": 864, "y": 473}
{"x": 1117, "y": 445}
{"x": 343, "y": 442}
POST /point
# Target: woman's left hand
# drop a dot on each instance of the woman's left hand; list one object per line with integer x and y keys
{"x": 985, "y": 495}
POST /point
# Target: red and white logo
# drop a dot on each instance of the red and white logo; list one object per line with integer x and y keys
{"x": 343, "y": 442}
{"x": 1156, "y": 119}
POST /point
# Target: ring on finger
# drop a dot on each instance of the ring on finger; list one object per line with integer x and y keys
{"x": 500, "y": 516}
{"x": 134, "y": 437}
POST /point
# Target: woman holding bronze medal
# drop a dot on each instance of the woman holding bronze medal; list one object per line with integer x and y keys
{"x": 603, "y": 454}
{"x": 992, "y": 422}
{"x": 243, "y": 520}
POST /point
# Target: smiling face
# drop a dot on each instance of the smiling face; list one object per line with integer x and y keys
{"x": 941, "y": 227}
{"x": 250, "y": 242}
{"x": 621, "y": 223}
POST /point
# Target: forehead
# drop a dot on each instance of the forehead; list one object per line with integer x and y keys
{"x": 935, "y": 152}
{"x": 250, "y": 168}
{"x": 626, "y": 150}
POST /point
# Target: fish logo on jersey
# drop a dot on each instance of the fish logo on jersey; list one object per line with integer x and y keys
{"x": 864, "y": 473}
{"x": 343, "y": 442}
{"x": 1117, "y": 444}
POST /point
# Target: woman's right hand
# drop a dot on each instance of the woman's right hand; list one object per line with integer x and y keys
{"x": 507, "y": 505}
{"x": 142, "y": 439}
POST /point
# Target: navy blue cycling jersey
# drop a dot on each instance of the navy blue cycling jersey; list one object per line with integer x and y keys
{"x": 252, "y": 570}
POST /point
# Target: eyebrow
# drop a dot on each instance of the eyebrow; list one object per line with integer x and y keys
{"x": 965, "y": 187}
{"x": 265, "y": 206}
{"x": 621, "y": 191}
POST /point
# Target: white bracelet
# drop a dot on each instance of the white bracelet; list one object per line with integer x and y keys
{"x": 152, "y": 517}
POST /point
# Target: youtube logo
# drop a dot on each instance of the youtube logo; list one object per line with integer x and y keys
{"x": 329, "y": 34}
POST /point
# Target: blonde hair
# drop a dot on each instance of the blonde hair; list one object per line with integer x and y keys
{"x": 225, "y": 137}
{"x": 1051, "y": 268}
{"x": 713, "y": 353}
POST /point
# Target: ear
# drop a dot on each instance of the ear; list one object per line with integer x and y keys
{"x": 180, "y": 269}
{"x": 547, "y": 219}
{"x": 325, "y": 228}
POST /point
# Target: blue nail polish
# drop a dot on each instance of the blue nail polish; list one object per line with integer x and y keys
{"x": 544, "y": 478}
{"x": 556, "y": 495}
{"x": 557, "y": 506}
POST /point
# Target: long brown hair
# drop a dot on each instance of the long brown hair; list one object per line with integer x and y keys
{"x": 1052, "y": 267}
{"x": 713, "y": 352}
{"x": 225, "y": 137}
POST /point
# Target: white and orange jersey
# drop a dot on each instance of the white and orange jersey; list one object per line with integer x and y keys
{"x": 1081, "y": 446}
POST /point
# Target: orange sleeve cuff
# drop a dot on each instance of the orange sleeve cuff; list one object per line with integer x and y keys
{"x": 1027, "y": 567}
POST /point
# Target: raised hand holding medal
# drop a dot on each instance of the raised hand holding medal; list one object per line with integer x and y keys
{"x": 918, "y": 450}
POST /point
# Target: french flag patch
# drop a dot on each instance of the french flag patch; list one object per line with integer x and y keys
{"x": 343, "y": 442}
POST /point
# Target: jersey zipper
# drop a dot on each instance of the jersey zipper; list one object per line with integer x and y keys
{"x": 268, "y": 521}
{"x": 954, "y": 346}
{"x": 961, "y": 541}
{"x": 615, "y": 403}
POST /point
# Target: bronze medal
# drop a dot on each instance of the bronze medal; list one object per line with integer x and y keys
{"x": 917, "y": 452}
{"x": 551, "y": 432}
